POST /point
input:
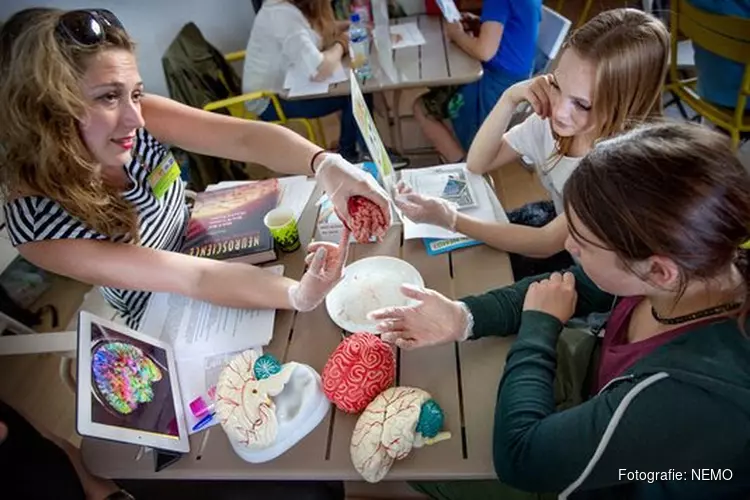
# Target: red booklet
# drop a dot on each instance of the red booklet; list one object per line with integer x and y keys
{"x": 227, "y": 224}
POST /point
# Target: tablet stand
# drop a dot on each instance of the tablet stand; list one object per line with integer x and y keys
{"x": 162, "y": 458}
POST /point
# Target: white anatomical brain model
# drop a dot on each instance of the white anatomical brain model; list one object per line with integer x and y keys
{"x": 399, "y": 419}
{"x": 243, "y": 398}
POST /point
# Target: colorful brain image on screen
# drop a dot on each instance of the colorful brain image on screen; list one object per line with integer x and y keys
{"x": 124, "y": 376}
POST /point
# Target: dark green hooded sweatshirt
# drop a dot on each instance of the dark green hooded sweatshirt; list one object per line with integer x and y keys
{"x": 684, "y": 408}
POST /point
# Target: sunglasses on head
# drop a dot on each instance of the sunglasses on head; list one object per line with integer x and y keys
{"x": 87, "y": 27}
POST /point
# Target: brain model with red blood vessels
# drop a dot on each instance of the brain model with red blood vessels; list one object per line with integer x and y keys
{"x": 361, "y": 367}
{"x": 398, "y": 420}
{"x": 367, "y": 219}
{"x": 266, "y": 407}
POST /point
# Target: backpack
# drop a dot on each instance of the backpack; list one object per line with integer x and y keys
{"x": 196, "y": 74}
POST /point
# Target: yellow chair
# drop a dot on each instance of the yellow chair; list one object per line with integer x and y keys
{"x": 726, "y": 36}
{"x": 236, "y": 107}
{"x": 583, "y": 17}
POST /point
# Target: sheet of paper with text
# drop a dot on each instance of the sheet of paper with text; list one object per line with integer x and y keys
{"x": 381, "y": 36}
{"x": 449, "y": 10}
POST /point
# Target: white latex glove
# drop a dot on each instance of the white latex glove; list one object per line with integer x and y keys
{"x": 341, "y": 180}
{"x": 425, "y": 209}
{"x": 434, "y": 320}
{"x": 326, "y": 262}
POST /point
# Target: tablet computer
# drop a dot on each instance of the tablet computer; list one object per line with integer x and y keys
{"x": 127, "y": 387}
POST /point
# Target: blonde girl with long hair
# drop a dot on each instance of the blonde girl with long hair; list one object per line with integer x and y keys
{"x": 608, "y": 79}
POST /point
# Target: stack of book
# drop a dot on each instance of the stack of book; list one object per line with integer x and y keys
{"x": 227, "y": 224}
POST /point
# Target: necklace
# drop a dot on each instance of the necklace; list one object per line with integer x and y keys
{"x": 696, "y": 315}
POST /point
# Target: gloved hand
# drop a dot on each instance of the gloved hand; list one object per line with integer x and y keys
{"x": 434, "y": 320}
{"x": 341, "y": 180}
{"x": 425, "y": 209}
{"x": 326, "y": 263}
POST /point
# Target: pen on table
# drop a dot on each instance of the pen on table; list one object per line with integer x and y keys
{"x": 203, "y": 422}
{"x": 203, "y": 444}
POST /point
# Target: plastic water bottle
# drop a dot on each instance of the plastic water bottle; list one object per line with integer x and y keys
{"x": 359, "y": 48}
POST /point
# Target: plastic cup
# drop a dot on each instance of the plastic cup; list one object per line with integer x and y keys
{"x": 283, "y": 227}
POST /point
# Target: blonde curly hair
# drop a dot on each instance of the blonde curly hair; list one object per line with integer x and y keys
{"x": 41, "y": 149}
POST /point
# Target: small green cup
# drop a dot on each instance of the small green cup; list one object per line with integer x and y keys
{"x": 283, "y": 226}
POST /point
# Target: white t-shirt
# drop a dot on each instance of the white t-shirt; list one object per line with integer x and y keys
{"x": 281, "y": 37}
{"x": 533, "y": 138}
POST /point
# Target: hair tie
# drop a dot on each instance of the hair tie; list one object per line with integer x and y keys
{"x": 315, "y": 157}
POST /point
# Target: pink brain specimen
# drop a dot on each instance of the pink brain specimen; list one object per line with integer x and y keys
{"x": 367, "y": 219}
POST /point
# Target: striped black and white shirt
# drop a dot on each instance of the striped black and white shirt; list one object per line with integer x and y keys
{"x": 161, "y": 222}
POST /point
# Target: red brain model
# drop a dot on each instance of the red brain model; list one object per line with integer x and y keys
{"x": 367, "y": 219}
{"x": 360, "y": 368}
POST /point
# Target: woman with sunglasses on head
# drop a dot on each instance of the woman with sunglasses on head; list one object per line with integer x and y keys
{"x": 656, "y": 217}
{"x": 83, "y": 170}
